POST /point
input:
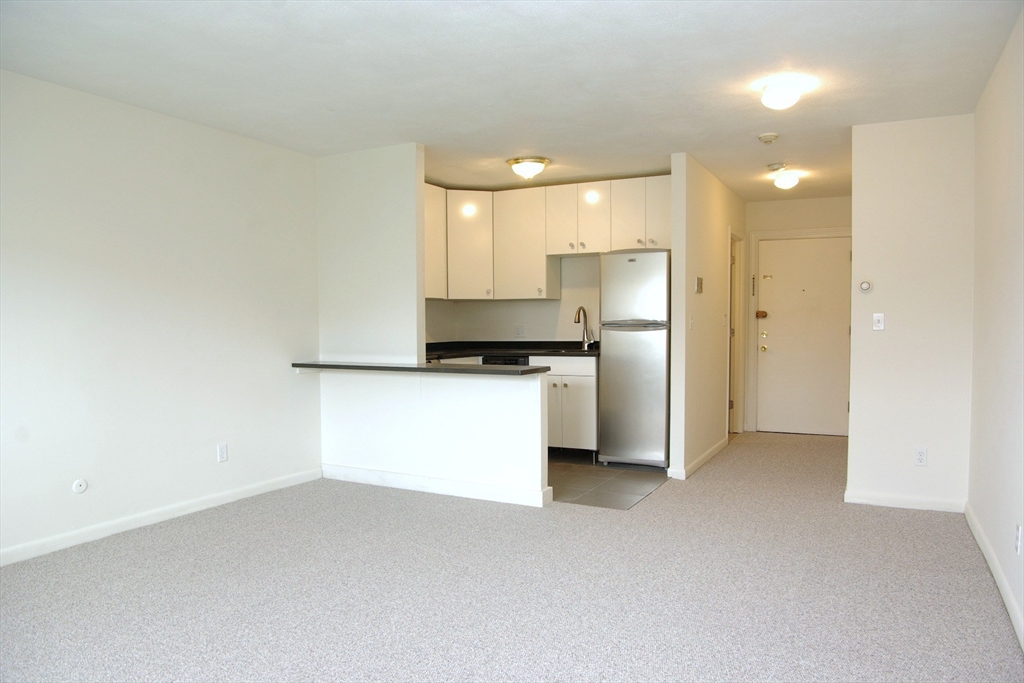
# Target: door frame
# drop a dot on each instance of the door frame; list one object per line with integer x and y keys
{"x": 754, "y": 239}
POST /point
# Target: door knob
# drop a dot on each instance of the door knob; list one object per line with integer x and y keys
{"x": 764, "y": 334}
{"x": 571, "y": 245}
{"x": 565, "y": 386}
{"x": 653, "y": 241}
{"x": 583, "y": 245}
{"x": 639, "y": 241}
{"x": 554, "y": 384}
{"x": 764, "y": 348}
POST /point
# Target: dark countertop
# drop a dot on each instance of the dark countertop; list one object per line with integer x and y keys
{"x": 437, "y": 350}
{"x": 446, "y": 369}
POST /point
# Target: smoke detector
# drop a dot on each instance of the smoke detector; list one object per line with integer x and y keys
{"x": 768, "y": 138}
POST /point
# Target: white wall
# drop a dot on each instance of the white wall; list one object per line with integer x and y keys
{"x": 157, "y": 278}
{"x": 800, "y": 214}
{"x": 913, "y": 238}
{"x": 544, "y": 320}
{"x": 370, "y": 218}
{"x": 995, "y": 498}
{"x": 704, "y": 215}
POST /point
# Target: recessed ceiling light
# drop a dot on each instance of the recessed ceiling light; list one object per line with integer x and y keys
{"x": 782, "y": 91}
{"x": 528, "y": 167}
{"x": 592, "y": 197}
{"x": 469, "y": 210}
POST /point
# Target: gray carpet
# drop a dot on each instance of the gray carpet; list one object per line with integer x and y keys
{"x": 753, "y": 569}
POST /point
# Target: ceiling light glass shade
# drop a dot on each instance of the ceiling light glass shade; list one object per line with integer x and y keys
{"x": 469, "y": 210}
{"x": 786, "y": 180}
{"x": 528, "y": 166}
{"x": 592, "y": 197}
{"x": 782, "y": 91}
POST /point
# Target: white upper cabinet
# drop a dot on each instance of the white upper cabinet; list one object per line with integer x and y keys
{"x": 435, "y": 242}
{"x": 659, "y": 212}
{"x": 594, "y": 215}
{"x": 470, "y": 245}
{"x": 522, "y": 269}
{"x": 629, "y": 213}
{"x": 560, "y": 211}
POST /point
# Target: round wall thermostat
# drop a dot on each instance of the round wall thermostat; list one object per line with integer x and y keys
{"x": 865, "y": 286}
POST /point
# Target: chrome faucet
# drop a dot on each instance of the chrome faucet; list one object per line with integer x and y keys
{"x": 588, "y": 339}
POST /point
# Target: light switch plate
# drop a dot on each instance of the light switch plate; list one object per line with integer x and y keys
{"x": 878, "y": 321}
{"x": 520, "y": 331}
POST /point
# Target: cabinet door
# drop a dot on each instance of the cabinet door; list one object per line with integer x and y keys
{"x": 435, "y": 242}
{"x": 579, "y": 412}
{"x": 470, "y": 245}
{"x": 554, "y": 411}
{"x": 659, "y": 212}
{"x": 521, "y": 266}
{"x": 629, "y": 198}
{"x": 560, "y": 213}
{"x": 594, "y": 216}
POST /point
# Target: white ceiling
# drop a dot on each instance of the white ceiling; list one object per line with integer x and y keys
{"x": 602, "y": 88}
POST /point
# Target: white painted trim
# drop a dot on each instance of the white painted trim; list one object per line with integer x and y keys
{"x": 448, "y": 487}
{"x": 754, "y": 238}
{"x": 95, "y": 532}
{"x": 1012, "y": 608}
{"x": 907, "y": 502}
{"x": 688, "y": 470}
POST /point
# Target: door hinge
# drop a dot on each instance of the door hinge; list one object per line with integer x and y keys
{"x": 730, "y": 404}
{"x": 753, "y": 283}
{"x": 732, "y": 331}
{"x": 847, "y": 406}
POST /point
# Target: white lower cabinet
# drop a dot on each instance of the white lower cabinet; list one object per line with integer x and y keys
{"x": 572, "y": 401}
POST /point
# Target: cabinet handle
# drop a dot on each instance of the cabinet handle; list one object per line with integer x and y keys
{"x": 571, "y": 245}
{"x": 565, "y": 386}
{"x": 554, "y": 384}
{"x": 653, "y": 241}
{"x": 583, "y": 245}
{"x": 540, "y": 291}
{"x": 639, "y": 241}
{"x": 488, "y": 292}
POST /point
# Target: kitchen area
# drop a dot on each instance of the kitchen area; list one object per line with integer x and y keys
{"x": 518, "y": 277}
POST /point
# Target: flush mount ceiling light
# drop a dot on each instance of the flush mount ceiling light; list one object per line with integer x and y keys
{"x": 469, "y": 210}
{"x": 528, "y": 167}
{"x": 785, "y": 179}
{"x": 592, "y": 197}
{"x": 782, "y": 91}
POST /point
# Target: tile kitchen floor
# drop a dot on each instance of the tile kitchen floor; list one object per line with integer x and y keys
{"x": 574, "y": 479}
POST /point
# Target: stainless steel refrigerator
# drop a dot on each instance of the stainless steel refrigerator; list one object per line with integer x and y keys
{"x": 633, "y": 377}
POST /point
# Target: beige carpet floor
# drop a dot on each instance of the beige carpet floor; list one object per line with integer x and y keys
{"x": 751, "y": 570}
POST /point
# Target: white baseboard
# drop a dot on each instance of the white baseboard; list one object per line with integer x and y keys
{"x": 688, "y": 470}
{"x": 1012, "y": 607}
{"x": 448, "y": 487}
{"x": 907, "y": 502}
{"x": 95, "y": 532}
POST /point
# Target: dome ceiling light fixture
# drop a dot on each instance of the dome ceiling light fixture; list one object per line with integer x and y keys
{"x": 782, "y": 91}
{"x": 785, "y": 178}
{"x": 768, "y": 138}
{"x": 527, "y": 167}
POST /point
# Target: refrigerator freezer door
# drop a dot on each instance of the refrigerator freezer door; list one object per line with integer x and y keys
{"x": 633, "y": 394}
{"x": 634, "y": 286}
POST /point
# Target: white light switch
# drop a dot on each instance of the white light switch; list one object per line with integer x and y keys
{"x": 878, "y": 321}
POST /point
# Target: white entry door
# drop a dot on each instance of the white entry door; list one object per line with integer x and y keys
{"x": 803, "y": 342}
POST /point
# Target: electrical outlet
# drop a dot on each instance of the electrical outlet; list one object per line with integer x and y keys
{"x": 1020, "y": 538}
{"x": 921, "y": 457}
{"x": 520, "y": 331}
{"x": 222, "y": 452}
